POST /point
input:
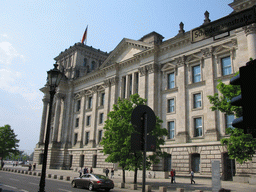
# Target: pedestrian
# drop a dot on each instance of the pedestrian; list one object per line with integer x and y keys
{"x": 149, "y": 175}
{"x": 34, "y": 167}
{"x": 172, "y": 175}
{"x": 85, "y": 170}
{"x": 29, "y": 167}
{"x": 192, "y": 176}
{"x": 112, "y": 173}
{"x": 91, "y": 170}
{"x": 107, "y": 171}
{"x": 80, "y": 172}
{"x": 2, "y": 165}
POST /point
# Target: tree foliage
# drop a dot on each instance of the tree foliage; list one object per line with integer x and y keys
{"x": 117, "y": 136}
{"x": 8, "y": 142}
{"x": 240, "y": 146}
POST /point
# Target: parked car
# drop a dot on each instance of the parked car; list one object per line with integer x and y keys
{"x": 93, "y": 181}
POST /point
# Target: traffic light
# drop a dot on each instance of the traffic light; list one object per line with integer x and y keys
{"x": 247, "y": 80}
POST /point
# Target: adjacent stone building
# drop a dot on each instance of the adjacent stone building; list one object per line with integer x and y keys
{"x": 174, "y": 75}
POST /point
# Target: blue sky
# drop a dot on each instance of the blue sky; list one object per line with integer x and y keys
{"x": 33, "y": 32}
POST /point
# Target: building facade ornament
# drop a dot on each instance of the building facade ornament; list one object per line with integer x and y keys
{"x": 250, "y": 29}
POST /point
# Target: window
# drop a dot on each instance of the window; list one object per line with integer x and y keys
{"x": 170, "y": 107}
{"x": 85, "y": 62}
{"x": 136, "y": 82}
{"x": 99, "y": 136}
{"x": 198, "y": 127}
{"x": 196, "y": 74}
{"x": 75, "y": 138}
{"x": 226, "y": 65}
{"x": 197, "y": 100}
{"x": 87, "y": 135}
{"x": 88, "y": 121}
{"x": 171, "y": 83}
{"x": 229, "y": 119}
{"x": 77, "y": 122}
{"x": 124, "y": 86}
{"x": 101, "y": 118}
{"x": 171, "y": 132}
{"x": 78, "y": 105}
{"x": 102, "y": 99}
{"x": 130, "y": 85}
{"x": 93, "y": 65}
{"x": 89, "y": 102}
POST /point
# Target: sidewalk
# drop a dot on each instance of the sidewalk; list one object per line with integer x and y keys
{"x": 182, "y": 182}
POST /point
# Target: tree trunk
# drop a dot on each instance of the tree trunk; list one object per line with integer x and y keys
{"x": 135, "y": 175}
{"x": 123, "y": 175}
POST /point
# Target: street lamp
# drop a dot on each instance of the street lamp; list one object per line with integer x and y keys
{"x": 53, "y": 80}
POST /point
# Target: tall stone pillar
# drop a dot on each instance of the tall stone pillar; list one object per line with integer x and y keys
{"x": 107, "y": 86}
{"x": 44, "y": 120}
{"x": 114, "y": 92}
{"x": 143, "y": 82}
{"x": 250, "y": 32}
{"x": 210, "y": 126}
{"x": 152, "y": 88}
{"x": 56, "y": 118}
{"x": 61, "y": 118}
{"x": 181, "y": 103}
{"x": 92, "y": 140}
{"x": 81, "y": 121}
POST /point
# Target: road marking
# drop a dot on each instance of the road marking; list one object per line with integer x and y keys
{"x": 24, "y": 190}
{"x": 10, "y": 186}
{"x": 14, "y": 179}
{"x": 63, "y": 190}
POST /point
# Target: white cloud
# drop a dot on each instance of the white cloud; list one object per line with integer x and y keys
{"x": 8, "y": 53}
{"x": 11, "y": 80}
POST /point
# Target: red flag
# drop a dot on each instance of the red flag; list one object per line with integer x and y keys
{"x": 85, "y": 35}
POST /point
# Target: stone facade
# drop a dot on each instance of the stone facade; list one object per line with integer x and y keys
{"x": 175, "y": 76}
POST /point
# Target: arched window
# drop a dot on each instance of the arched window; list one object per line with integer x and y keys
{"x": 93, "y": 65}
{"x": 85, "y": 62}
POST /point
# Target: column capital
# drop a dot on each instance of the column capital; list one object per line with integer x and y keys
{"x": 114, "y": 80}
{"x": 152, "y": 68}
{"x": 46, "y": 100}
{"x": 250, "y": 29}
{"x": 143, "y": 71}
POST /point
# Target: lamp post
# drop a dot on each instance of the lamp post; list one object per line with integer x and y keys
{"x": 53, "y": 80}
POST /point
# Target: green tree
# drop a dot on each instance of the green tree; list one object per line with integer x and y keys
{"x": 117, "y": 136}
{"x": 240, "y": 146}
{"x": 8, "y": 142}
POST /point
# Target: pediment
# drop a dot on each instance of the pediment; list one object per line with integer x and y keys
{"x": 125, "y": 50}
{"x": 221, "y": 49}
{"x": 168, "y": 66}
{"x": 193, "y": 58}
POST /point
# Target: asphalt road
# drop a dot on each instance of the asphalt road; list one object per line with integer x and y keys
{"x": 25, "y": 183}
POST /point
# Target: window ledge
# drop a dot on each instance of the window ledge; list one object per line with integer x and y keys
{"x": 192, "y": 85}
{"x": 175, "y": 89}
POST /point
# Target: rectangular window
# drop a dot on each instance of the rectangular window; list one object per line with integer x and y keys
{"x": 87, "y": 135}
{"x": 136, "y": 82}
{"x": 171, "y": 129}
{"x": 226, "y": 66}
{"x": 170, "y": 105}
{"x": 102, "y": 99}
{"x": 78, "y": 105}
{"x": 229, "y": 119}
{"x": 99, "y": 136}
{"x": 77, "y": 122}
{"x": 75, "y": 138}
{"x": 171, "y": 82}
{"x": 88, "y": 121}
{"x": 196, "y": 74}
{"x": 198, "y": 127}
{"x": 130, "y": 85}
{"x": 124, "y": 86}
{"x": 101, "y": 119}
{"x": 89, "y": 102}
{"x": 197, "y": 100}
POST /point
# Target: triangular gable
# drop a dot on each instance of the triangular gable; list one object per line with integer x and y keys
{"x": 125, "y": 50}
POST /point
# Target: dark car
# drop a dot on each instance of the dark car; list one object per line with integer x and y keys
{"x": 93, "y": 181}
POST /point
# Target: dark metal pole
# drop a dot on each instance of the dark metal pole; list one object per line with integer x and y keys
{"x": 144, "y": 152}
{"x": 47, "y": 137}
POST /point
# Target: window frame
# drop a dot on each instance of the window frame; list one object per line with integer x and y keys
{"x": 170, "y": 130}
{"x": 168, "y": 105}
{"x": 195, "y": 127}
{"x": 193, "y": 72}
{"x": 221, "y": 65}
{"x": 169, "y": 83}
{"x": 88, "y": 120}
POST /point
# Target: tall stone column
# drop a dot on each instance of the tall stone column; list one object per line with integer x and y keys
{"x": 152, "y": 88}
{"x": 181, "y": 103}
{"x": 44, "y": 120}
{"x": 107, "y": 86}
{"x": 250, "y": 32}
{"x": 81, "y": 121}
{"x": 92, "y": 141}
{"x": 143, "y": 82}
{"x": 61, "y": 119}
{"x": 56, "y": 118}
{"x": 114, "y": 91}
